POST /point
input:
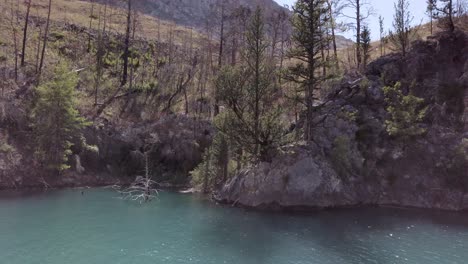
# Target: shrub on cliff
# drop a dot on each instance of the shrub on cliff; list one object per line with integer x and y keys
{"x": 406, "y": 113}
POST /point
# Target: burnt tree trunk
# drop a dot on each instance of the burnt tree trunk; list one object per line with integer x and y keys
{"x": 25, "y": 32}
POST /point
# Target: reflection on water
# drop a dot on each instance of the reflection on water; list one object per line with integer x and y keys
{"x": 67, "y": 227}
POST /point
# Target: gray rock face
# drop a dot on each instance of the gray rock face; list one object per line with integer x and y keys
{"x": 353, "y": 161}
{"x": 297, "y": 178}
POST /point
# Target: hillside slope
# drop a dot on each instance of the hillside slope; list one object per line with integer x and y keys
{"x": 78, "y": 13}
{"x": 193, "y": 13}
{"x": 200, "y": 14}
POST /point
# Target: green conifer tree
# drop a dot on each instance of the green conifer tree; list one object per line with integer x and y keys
{"x": 366, "y": 45}
{"x": 57, "y": 123}
{"x": 248, "y": 92}
{"x": 309, "y": 21}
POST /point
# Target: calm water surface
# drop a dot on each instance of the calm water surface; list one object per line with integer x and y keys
{"x": 64, "y": 227}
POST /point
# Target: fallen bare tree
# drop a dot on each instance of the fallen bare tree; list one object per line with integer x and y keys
{"x": 142, "y": 190}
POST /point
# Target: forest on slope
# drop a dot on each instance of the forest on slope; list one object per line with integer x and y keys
{"x": 93, "y": 93}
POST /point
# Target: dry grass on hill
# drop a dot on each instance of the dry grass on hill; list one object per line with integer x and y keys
{"x": 346, "y": 55}
{"x": 79, "y": 12}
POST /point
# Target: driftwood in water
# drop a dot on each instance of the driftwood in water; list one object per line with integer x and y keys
{"x": 143, "y": 189}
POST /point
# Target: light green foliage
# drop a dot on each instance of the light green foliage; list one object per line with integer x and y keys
{"x": 350, "y": 116}
{"x": 57, "y": 36}
{"x": 87, "y": 147}
{"x": 134, "y": 58}
{"x": 149, "y": 86}
{"x": 6, "y": 148}
{"x": 406, "y": 112}
{"x": 111, "y": 59}
{"x": 56, "y": 121}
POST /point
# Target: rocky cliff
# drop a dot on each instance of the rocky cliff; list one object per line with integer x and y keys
{"x": 352, "y": 160}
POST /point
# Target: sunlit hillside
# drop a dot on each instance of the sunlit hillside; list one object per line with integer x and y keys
{"x": 80, "y": 13}
{"x": 378, "y": 48}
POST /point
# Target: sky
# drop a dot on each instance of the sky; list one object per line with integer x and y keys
{"x": 386, "y": 10}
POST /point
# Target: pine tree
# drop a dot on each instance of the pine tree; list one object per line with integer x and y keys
{"x": 56, "y": 121}
{"x": 248, "y": 92}
{"x": 310, "y": 18}
{"x": 382, "y": 41}
{"x": 366, "y": 45}
{"x": 249, "y": 126}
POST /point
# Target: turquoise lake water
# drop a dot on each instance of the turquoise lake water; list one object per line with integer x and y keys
{"x": 65, "y": 227}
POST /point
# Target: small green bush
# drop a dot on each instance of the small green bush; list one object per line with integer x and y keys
{"x": 6, "y": 148}
{"x": 407, "y": 113}
{"x": 57, "y": 36}
{"x": 350, "y": 116}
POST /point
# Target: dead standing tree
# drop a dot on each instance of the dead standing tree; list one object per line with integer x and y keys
{"x": 14, "y": 31}
{"x": 25, "y": 32}
{"x": 46, "y": 33}
{"x": 362, "y": 10}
